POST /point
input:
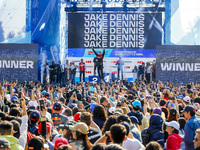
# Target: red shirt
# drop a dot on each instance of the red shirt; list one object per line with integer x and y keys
{"x": 82, "y": 66}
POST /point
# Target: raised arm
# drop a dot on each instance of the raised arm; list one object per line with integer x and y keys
{"x": 103, "y": 51}
{"x": 94, "y": 51}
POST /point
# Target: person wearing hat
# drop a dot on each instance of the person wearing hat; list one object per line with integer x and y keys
{"x": 34, "y": 119}
{"x": 4, "y": 144}
{"x": 174, "y": 140}
{"x": 187, "y": 100}
{"x": 135, "y": 128}
{"x": 6, "y": 131}
{"x": 118, "y": 112}
{"x": 79, "y": 132}
{"x": 57, "y": 117}
{"x": 143, "y": 121}
{"x": 190, "y": 127}
{"x": 60, "y": 141}
{"x": 37, "y": 143}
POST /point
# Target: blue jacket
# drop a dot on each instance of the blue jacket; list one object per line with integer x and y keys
{"x": 156, "y": 122}
{"x": 190, "y": 128}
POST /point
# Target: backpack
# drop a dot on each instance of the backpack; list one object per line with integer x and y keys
{"x": 146, "y": 135}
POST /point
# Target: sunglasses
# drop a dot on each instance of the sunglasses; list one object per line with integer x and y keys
{"x": 195, "y": 139}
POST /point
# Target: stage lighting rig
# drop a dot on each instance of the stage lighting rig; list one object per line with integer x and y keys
{"x": 103, "y": 3}
{"x": 125, "y": 3}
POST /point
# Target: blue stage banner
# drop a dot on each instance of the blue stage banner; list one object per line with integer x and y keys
{"x": 19, "y": 61}
{"x": 178, "y": 64}
{"x": 133, "y": 53}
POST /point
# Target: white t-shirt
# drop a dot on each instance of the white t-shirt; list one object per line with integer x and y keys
{"x": 131, "y": 144}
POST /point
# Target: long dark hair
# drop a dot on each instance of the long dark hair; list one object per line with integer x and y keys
{"x": 82, "y": 141}
{"x": 109, "y": 122}
{"x": 100, "y": 113}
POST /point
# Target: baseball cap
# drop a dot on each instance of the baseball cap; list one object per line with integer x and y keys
{"x": 119, "y": 111}
{"x": 80, "y": 127}
{"x": 43, "y": 92}
{"x": 173, "y": 112}
{"x": 34, "y": 115}
{"x": 57, "y": 106}
{"x": 36, "y": 143}
{"x": 122, "y": 118}
{"x": 4, "y": 143}
{"x": 173, "y": 124}
{"x": 14, "y": 98}
{"x": 136, "y": 104}
{"x": 60, "y": 141}
{"x": 157, "y": 111}
{"x": 134, "y": 119}
{"x": 48, "y": 125}
{"x": 77, "y": 116}
{"x": 187, "y": 99}
{"x": 112, "y": 110}
{"x": 188, "y": 108}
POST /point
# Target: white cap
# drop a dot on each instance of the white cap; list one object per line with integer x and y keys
{"x": 173, "y": 124}
{"x": 112, "y": 110}
{"x": 187, "y": 99}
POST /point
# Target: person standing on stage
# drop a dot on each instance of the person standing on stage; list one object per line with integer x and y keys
{"x": 82, "y": 70}
{"x": 53, "y": 69}
{"x": 66, "y": 71}
{"x": 73, "y": 72}
{"x": 95, "y": 64}
{"x": 59, "y": 72}
{"x": 99, "y": 63}
{"x": 46, "y": 73}
{"x": 148, "y": 72}
{"x": 120, "y": 64}
{"x": 141, "y": 71}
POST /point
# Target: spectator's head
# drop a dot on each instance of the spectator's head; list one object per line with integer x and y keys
{"x": 134, "y": 120}
{"x": 74, "y": 110}
{"x": 172, "y": 127}
{"x": 37, "y": 142}
{"x": 34, "y": 116}
{"x": 4, "y": 144}
{"x": 153, "y": 146}
{"x": 57, "y": 107}
{"x": 86, "y": 117}
{"x": 166, "y": 112}
{"x": 104, "y": 101}
{"x": 99, "y": 146}
{"x": 65, "y": 147}
{"x": 123, "y": 118}
{"x": 15, "y": 112}
{"x": 99, "y": 112}
{"x": 172, "y": 115}
{"x": 136, "y": 105}
{"x": 162, "y": 103}
{"x": 6, "y": 128}
{"x": 68, "y": 112}
{"x": 156, "y": 120}
{"x": 197, "y": 139}
{"x": 3, "y": 116}
{"x": 109, "y": 122}
{"x": 16, "y": 128}
{"x": 189, "y": 111}
{"x": 157, "y": 111}
{"x": 114, "y": 147}
{"x": 118, "y": 133}
{"x": 60, "y": 141}
{"x": 182, "y": 123}
{"x": 126, "y": 125}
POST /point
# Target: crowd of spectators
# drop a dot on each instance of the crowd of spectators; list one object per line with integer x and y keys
{"x": 115, "y": 115}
